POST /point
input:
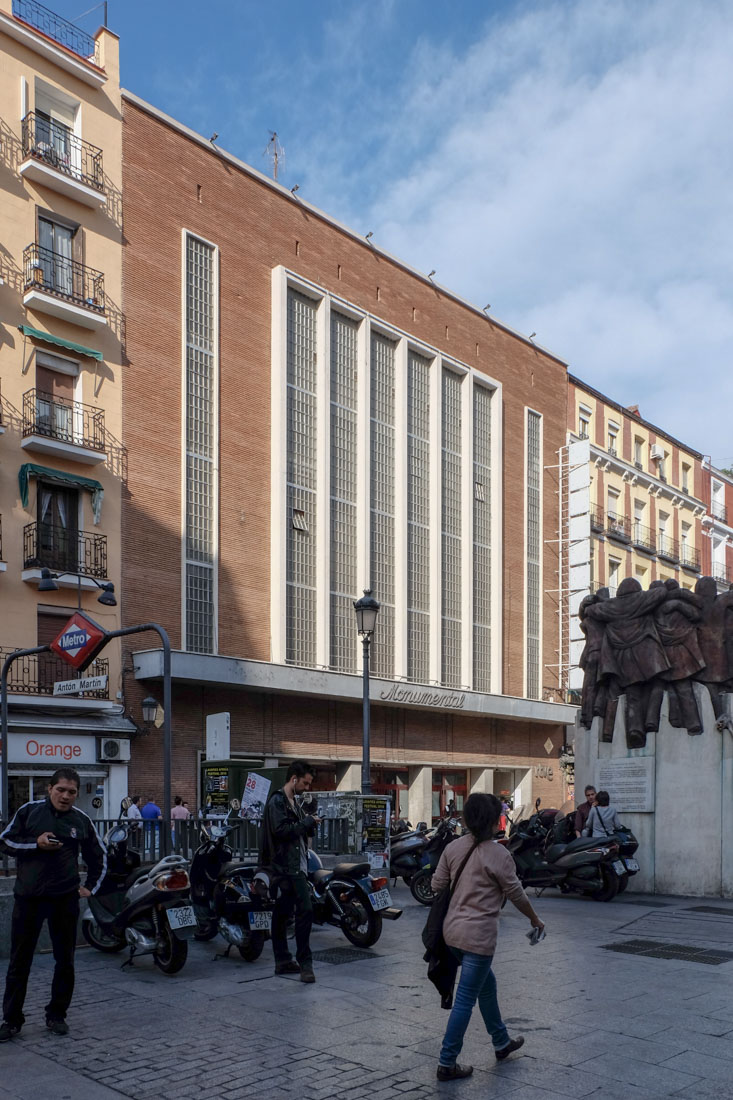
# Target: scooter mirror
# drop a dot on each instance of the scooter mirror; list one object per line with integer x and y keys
{"x": 537, "y": 804}
{"x": 116, "y": 835}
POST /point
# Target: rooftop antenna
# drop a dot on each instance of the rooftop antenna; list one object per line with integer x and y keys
{"x": 275, "y": 153}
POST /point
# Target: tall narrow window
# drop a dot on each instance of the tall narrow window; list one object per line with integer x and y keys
{"x": 382, "y": 449}
{"x": 344, "y": 337}
{"x": 481, "y": 539}
{"x": 534, "y": 547}
{"x": 300, "y": 610}
{"x": 418, "y": 517}
{"x": 451, "y": 586}
{"x": 201, "y": 322}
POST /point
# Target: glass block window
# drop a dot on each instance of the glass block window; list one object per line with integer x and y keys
{"x": 481, "y": 538}
{"x": 418, "y": 517}
{"x": 382, "y": 500}
{"x": 200, "y": 324}
{"x": 300, "y": 600}
{"x": 344, "y": 335}
{"x": 451, "y": 529}
{"x": 534, "y": 541}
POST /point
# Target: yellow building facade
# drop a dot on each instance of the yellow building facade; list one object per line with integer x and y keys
{"x": 62, "y": 463}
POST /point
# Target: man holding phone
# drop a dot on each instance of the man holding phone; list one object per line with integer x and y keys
{"x": 284, "y": 853}
{"x": 45, "y": 839}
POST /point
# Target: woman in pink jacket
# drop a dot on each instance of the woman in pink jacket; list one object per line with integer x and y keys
{"x": 471, "y": 926}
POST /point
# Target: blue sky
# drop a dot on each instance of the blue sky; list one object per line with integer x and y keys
{"x": 569, "y": 162}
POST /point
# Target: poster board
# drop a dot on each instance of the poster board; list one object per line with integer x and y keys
{"x": 375, "y": 810}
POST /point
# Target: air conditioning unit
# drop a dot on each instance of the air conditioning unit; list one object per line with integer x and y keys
{"x": 114, "y": 749}
{"x": 657, "y": 451}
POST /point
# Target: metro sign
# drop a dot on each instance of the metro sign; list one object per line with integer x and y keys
{"x": 80, "y": 641}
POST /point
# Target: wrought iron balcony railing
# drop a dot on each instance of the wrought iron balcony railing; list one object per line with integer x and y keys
{"x": 58, "y": 418}
{"x": 722, "y": 574}
{"x": 719, "y": 511}
{"x": 37, "y": 673}
{"x": 50, "y": 546}
{"x": 618, "y": 527}
{"x": 64, "y": 278}
{"x": 53, "y": 26}
{"x": 54, "y": 144}
{"x": 667, "y": 548}
{"x": 597, "y": 518}
{"x": 643, "y": 538}
{"x": 690, "y": 558}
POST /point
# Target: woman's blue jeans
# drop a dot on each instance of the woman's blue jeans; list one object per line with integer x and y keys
{"x": 477, "y": 984}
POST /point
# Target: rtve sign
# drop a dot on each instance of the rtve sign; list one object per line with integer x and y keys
{"x": 79, "y": 641}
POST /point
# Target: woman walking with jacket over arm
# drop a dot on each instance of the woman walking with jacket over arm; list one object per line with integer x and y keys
{"x": 471, "y": 926}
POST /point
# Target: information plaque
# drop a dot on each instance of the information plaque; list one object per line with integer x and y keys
{"x": 629, "y": 782}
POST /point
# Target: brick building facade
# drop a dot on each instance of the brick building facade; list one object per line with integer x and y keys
{"x": 304, "y": 416}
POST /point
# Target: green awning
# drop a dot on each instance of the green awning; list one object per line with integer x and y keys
{"x": 60, "y": 477}
{"x": 68, "y": 344}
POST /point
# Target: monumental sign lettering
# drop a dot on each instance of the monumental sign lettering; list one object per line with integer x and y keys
{"x": 79, "y": 641}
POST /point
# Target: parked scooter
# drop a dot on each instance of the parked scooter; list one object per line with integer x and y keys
{"x": 406, "y": 852}
{"x": 350, "y": 898}
{"x": 438, "y": 840}
{"x": 564, "y": 832}
{"x": 229, "y": 896}
{"x": 147, "y": 908}
{"x": 585, "y": 865}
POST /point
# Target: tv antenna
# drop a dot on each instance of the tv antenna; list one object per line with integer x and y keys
{"x": 275, "y": 153}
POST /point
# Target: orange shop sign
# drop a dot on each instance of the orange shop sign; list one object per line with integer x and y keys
{"x": 55, "y": 749}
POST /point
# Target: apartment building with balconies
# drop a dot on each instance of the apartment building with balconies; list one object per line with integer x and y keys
{"x": 62, "y": 464}
{"x": 717, "y": 524}
{"x": 633, "y": 505}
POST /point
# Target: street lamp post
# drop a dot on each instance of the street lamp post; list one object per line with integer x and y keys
{"x": 366, "y": 609}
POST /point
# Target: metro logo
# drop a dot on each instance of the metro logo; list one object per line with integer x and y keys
{"x": 79, "y": 641}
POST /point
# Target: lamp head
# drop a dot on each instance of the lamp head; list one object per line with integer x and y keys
{"x": 48, "y": 581}
{"x": 366, "y": 609}
{"x": 149, "y": 709}
{"x": 107, "y": 595}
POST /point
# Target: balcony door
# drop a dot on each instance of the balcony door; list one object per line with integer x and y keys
{"x": 56, "y": 243}
{"x": 55, "y": 404}
{"x": 58, "y": 527}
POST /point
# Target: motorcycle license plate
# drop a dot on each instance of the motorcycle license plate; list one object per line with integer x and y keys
{"x": 380, "y": 899}
{"x": 181, "y": 917}
{"x": 260, "y": 922}
{"x": 618, "y": 866}
{"x": 632, "y": 865}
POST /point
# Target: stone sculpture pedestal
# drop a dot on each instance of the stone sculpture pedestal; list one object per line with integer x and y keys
{"x": 686, "y": 839}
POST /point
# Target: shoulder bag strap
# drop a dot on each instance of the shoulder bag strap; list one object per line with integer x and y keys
{"x": 600, "y": 819}
{"x": 460, "y": 869}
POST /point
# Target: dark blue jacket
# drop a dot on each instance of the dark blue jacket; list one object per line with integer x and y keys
{"x": 48, "y": 874}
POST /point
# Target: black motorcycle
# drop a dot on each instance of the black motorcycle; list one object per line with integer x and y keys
{"x": 544, "y": 856}
{"x": 406, "y": 852}
{"x": 438, "y": 840}
{"x": 229, "y": 896}
{"x": 350, "y": 898}
{"x": 145, "y": 907}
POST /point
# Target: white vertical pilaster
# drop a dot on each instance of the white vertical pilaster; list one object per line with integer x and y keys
{"x": 278, "y": 464}
{"x": 436, "y": 556}
{"x": 323, "y": 483}
{"x": 401, "y": 480}
{"x": 467, "y": 531}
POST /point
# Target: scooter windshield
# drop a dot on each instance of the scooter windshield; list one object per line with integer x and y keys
{"x": 565, "y": 810}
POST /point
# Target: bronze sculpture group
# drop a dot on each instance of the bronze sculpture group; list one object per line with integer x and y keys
{"x": 640, "y": 644}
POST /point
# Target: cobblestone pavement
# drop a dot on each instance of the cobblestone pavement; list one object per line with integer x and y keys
{"x": 596, "y": 1021}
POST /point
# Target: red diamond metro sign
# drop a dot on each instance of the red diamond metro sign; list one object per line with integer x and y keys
{"x": 79, "y": 641}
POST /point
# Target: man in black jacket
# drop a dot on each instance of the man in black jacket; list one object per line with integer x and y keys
{"x": 45, "y": 838}
{"x": 284, "y": 853}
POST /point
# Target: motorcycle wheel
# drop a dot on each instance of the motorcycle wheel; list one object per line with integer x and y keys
{"x": 252, "y": 948}
{"x": 173, "y": 955}
{"x": 103, "y": 941}
{"x": 421, "y": 889}
{"x": 610, "y": 886}
{"x": 206, "y": 930}
{"x": 368, "y": 929}
{"x": 623, "y": 883}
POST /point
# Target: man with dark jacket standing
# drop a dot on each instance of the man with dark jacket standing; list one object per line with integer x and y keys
{"x": 284, "y": 853}
{"x": 45, "y": 838}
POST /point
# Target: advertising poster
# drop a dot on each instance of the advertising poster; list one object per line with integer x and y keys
{"x": 216, "y": 780}
{"x": 254, "y": 797}
{"x": 375, "y": 831}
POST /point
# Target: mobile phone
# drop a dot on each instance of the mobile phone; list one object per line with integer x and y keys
{"x": 53, "y": 840}
{"x": 536, "y": 936}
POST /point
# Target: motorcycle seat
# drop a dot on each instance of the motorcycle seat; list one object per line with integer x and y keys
{"x": 578, "y": 845}
{"x": 236, "y": 867}
{"x": 355, "y": 870}
{"x": 320, "y": 876}
{"x": 138, "y": 873}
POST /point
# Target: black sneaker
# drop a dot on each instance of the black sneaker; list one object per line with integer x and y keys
{"x": 512, "y": 1045}
{"x": 290, "y": 967}
{"x": 8, "y": 1031}
{"x": 306, "y": 974}
{"x": 58, "y": 1027}
{"x": 452, "y": 1073}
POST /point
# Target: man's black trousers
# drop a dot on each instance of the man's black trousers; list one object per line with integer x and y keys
{"x": 62, "y": 914}
{"x": 294, "y": 893}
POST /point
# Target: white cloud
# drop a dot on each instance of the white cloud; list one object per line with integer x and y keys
{"x": 573, "y": 168}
